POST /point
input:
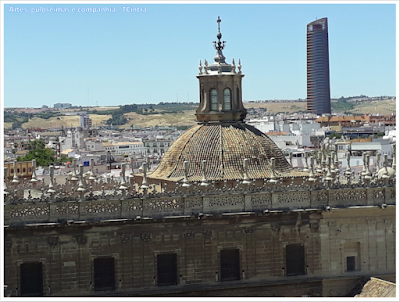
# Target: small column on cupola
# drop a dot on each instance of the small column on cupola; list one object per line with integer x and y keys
{"x": 220, "y": 88}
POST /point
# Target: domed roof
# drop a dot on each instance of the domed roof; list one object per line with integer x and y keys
{"x": 224, "y": 147}
{"x": 221, "y": 138}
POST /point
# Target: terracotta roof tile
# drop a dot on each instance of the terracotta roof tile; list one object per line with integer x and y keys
{"x": 378, "y": 288}
{"x": 224, "y": 147}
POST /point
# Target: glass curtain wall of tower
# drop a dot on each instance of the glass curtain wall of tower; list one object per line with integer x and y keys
{"x": 318, "y": 85}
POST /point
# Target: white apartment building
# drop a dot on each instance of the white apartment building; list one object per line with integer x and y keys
{"x": 85, "y": 121}
{"x": 282, "y": 141}
{"x": 156, "y": 146}
{"x": 129, "y": 148}
{"x": 94, "y": 145}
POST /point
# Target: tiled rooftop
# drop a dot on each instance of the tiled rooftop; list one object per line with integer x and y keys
{"x": 378, "y": 288}
{"x": 224, "y": 147}
{"x": 346, "y": 118}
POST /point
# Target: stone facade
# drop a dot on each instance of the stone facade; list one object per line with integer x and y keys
{"x": 328, "y": 226}
{"x": 23, "y": 169}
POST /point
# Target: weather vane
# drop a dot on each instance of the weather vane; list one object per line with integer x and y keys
{"x": 220, "y": 45}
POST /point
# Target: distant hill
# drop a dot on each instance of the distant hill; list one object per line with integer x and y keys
{"x": 183, "y": 114}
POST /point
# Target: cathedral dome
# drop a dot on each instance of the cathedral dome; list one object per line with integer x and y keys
{"x": 224, "y": 148}
{"x": 222, "y": 141}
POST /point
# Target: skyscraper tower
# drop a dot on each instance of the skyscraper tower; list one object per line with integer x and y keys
{"x": 318, "y": 85}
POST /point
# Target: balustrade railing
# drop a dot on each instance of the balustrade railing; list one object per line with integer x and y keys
{"x": 87, "y": 197}
{"x": 157, "y": 205}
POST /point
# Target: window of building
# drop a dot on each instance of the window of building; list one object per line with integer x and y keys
{"x": 31, "y": 279}
{"x": 227, "y": 99}
{"x": 295, "y": 264}
{"x": 17, "y": 170}
{"x": 214, "y": 99}
{"x": 350, "y": 263}
{"x": 23, "y": 170}
{"x": 230, "y": 264}
{"x": 167, "y": 271}
{"x": 12, "y": 170}
{"x": 104, "y": 273}
{"x": 351, "y": 254}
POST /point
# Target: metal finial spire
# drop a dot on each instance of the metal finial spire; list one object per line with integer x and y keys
{"x": 220, "y": 45}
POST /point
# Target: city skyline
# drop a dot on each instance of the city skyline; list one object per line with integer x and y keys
{"x": 150, "y": 53}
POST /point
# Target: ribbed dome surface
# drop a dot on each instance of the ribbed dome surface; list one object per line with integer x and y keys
{"x": 224, "y": 147}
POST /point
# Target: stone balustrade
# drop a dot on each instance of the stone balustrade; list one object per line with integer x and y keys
{"x": 85, "y": 197}
{"x": 140, "y": 206}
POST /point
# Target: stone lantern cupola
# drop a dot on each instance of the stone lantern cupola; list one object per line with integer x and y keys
{"x": 220, "y": 88}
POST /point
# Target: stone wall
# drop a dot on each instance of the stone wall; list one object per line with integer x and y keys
{"x": 67, "y": 250}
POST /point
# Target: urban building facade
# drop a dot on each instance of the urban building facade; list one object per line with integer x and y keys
{"x": 85, "y": 121}
{"x": 130, "y": 148}
{"x": 20, "y": 168}
{"x": 94, "y": 145}
{"x": 318, "y": 83}
{"x": 62, "y": 105}
{"x": 156, "y": 146}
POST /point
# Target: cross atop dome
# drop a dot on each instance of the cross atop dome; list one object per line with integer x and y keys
{"x": 220, "y": 45}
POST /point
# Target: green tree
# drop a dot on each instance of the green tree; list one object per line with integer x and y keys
{"x": 44, "y": 157}
{"x": 334, "y": 135}
{"x": 16, "y": 125}
{"x": 117, "y": 118}
{"x": 36, "y": 144}
{"x": 63, "y": 158}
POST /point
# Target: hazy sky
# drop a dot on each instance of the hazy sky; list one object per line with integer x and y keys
{"x": 152, "y": 54}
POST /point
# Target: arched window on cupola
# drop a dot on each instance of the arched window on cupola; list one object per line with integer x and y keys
{"x": 227, "y": 99}
{"x": 214, "y": 99}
